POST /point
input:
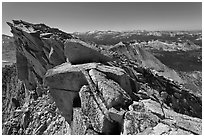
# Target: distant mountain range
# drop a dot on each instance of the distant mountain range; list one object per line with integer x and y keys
{"x": 114, "y": 37}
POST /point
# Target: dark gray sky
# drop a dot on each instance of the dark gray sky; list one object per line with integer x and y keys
{"x": 81, "y": 17}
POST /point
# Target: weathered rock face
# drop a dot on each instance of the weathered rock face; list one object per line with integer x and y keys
{"x": 118, "y": 91}
{"x": 39, "y": 48}
{"x": 94, "y": 111}
{"x": 111, "y": 91}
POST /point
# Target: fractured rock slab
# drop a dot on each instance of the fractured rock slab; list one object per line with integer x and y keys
{"x": 70, "y": 77}
{"x": 111, "y": 91}
{"x": 67, "y": 76}
{"x": 90, "y": 108}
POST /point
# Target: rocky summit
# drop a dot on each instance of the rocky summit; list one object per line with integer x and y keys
{"x": 70, "y": 86}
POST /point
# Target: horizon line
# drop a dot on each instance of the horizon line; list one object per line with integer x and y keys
{"x": 124, "y": 31}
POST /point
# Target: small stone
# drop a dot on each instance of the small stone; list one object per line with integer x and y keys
{"x": 160, "y": 129}
{"x": 137, "y": 106}
{"x": 46, "y": 112}
{"x": 177, "y": 95}
{"x": 164, "y": 95}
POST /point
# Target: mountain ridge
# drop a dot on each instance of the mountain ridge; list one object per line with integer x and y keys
{"x": 92, "y": 90}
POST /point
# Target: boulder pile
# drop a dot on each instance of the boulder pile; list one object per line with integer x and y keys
{"x": 120, "y": 91}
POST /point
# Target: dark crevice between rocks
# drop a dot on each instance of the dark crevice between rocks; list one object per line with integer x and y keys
{"x": 15, "y": 103}
{"x": 89, "y": 60}
{"x": 65, "y": 89}
{"x": 159, "y": 115}
{"x": 77, "y": 101}
{"x": 115, "y": 129}
{"x": 40, "y": 80}
{"x": 80, "y": 62}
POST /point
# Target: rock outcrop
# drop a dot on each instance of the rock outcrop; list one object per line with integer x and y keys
{"x": 123, "y": 90}
{"x": 76, "y": 47}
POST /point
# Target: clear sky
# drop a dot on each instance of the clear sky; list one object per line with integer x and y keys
{"x": 81, "y": 17}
